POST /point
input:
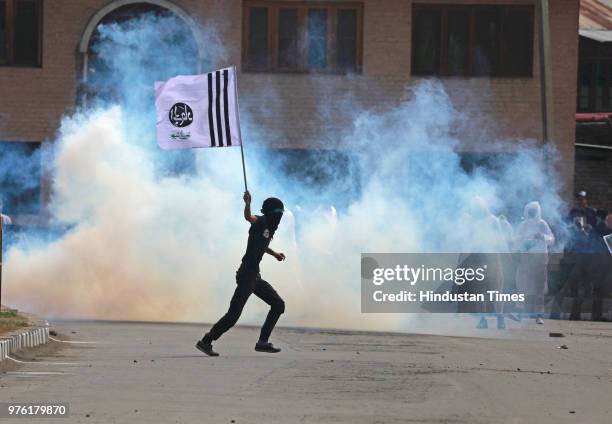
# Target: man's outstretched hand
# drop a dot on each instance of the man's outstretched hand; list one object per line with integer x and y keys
{"x": 280, "y": 257}
{"x": 247, "y": 197}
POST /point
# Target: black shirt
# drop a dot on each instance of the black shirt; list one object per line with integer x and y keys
{"x": 589, "y": 214}
{"x": 259, "y": 239}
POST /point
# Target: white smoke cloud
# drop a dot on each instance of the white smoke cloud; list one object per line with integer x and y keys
{"x": 147, "y": 243}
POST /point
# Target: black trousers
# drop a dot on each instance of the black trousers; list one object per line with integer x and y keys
{"x": 587, "y": 271}
{"x": 249, "y": 282}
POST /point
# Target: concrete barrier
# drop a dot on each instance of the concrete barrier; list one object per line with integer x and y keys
{"x": 22, "y": 339}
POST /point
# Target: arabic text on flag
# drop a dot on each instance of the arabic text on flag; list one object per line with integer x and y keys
{"x": 198, "y": 111}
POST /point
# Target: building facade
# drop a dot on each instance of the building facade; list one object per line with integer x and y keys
{"x": 485, "y": 53}
{"x": 594, "y": 104}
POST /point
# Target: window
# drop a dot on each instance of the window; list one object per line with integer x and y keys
{"x": 3, "y": 37}
{"x": 347, "y": 40}
{"x": 103, "y": 68}
{"x": 317, "y": 38}
{"x": 302, "y": 36}
{"x": 316, "y": 170}
{"x": 595, "y": 85}
{"x": 472, "y": 40}
{"x": 258, "y": 38}
{"x": 594, "y": 76}
{"x": 20, "y": 32}
{"x": 288, "y": 38}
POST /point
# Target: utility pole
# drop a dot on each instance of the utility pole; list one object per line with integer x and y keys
{"x": 546, "y": 92}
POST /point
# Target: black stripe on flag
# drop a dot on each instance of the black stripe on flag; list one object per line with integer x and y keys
{"x": 218, "y": 98}
{"x": 210, "y": 111}
{"x": 228, "y": 133}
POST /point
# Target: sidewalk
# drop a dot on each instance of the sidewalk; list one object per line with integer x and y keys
{"x": 34, "y": 333}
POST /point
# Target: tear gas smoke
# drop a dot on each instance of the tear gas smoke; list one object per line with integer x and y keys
{"x": 151, "y": 241}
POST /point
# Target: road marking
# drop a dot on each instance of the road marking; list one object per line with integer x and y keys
{"x": 41, "y": 363}
{"x": 34, "y": 373}
{"x": 68, "y": 341}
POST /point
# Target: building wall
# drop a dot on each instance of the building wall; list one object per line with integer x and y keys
{"x": 594, "y": 175}
{"x": 32, "y": 101}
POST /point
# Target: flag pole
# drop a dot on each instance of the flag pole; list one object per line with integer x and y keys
{"x": 243, "y": 173}
{"x": 239, "y": 129}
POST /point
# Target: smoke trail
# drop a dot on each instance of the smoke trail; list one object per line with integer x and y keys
{"x": 158, "y": 236}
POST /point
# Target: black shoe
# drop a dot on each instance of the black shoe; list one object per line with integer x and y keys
{"x": 266, "y": 347}
{"x": 206, "y": 348}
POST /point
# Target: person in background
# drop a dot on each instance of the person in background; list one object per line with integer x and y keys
{"x": 508, "y": 265}
{"x": 507, "y": 232}
{"x": 482, "y": 249}
{"x": 602, "y": 263}
{"x": 533, "y": 237}
{"x": 579, "y": 264}
{"x": 582, "y": 210}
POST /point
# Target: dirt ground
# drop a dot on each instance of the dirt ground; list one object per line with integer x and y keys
{"x": 151, "y": 373}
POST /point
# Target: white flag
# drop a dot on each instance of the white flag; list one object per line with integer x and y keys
{"x": 198, "y": 111}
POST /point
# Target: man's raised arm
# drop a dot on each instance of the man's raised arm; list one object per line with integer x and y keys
{"x": 247, "y": 208}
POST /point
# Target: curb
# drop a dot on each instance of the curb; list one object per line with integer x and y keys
{"x": 31, "y": 337}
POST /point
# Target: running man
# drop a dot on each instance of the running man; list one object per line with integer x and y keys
{"x": 249, "y": 280}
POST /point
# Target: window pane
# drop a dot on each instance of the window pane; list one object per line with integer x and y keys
{"x": 426, "y": 42}
{"x": 458, "y": 41}
{"x": 347, "y": 40}
{"x": 608, "y": 92}
{"x": 486, "y": 50}
{"x": 317, "y": 38}
{"x": 2, "y": 31}
{"x": 288, "y": 38}
{"x": 517, "y": 42}
{"x": 257, "y": 55}
{"x": 600, "y": 83}
{"x": 585, "y": 75}
{"x": 583, "y": 105}
{"x": 26, "y": 33}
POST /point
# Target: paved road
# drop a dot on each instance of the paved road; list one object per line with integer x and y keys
{"x": 149, "y": 373}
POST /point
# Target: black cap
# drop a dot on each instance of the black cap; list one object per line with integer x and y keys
{"x": 272, "y": 204}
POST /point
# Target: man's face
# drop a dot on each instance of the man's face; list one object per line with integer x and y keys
{"x": 579, "y": 222}
{"x": 274, "y": 218}
{"x": 278, "y": 216}
{"x": 582, "y": 201}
